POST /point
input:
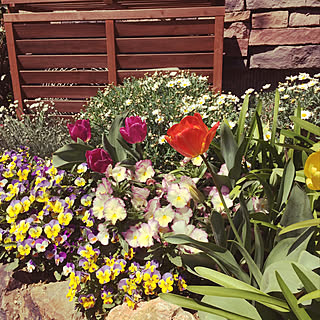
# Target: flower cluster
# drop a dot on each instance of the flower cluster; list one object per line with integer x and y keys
{"x": 162, "y": 100}
{"x": 42, "y": 210}
{"x": 119, "y": 279}
{"x": 57, "y": 221}
{"x": 303, "y": 89}
{"x": 158, "y": 207}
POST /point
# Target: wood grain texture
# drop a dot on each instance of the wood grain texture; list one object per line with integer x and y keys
{"x": 163, "y": 13}
{"x": 123, "y": 45}
{"x": 71, "y": 92}
{"x": 47, "y": 30}
{"x": 63, "y": 61}
{"x": 76, "y": 76}
{"x": 111, "y": 52}
{"x": 218, "y": 54}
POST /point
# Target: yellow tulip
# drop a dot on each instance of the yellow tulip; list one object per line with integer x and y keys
{"x": 312, "y": 171}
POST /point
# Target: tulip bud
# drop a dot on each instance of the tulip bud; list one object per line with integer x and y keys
{"x": 312, "y": 171}
{"x": 81, "y": 129}
{"x": 98, "y": 160}
{"x": 135, "y": 130}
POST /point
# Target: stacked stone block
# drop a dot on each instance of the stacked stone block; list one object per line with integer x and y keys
{"x": 274, "y": 34}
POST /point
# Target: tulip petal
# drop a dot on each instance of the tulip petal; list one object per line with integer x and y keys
{"x": 210, "y": 136}
{"x": 188, "y": 142}
{"x": 312, "y": 171}
{"x": 137, "y": 133}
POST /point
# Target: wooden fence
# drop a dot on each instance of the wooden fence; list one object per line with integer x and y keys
{"x": 84, "y": 50}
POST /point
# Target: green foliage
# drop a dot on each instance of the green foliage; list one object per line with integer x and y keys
{"x": 279, "y": 264}
{"x": 43, "y": 132}
{"x": 70, "y": 155}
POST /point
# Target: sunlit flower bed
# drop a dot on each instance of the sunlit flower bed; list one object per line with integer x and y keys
{"x": 238, "y": 206}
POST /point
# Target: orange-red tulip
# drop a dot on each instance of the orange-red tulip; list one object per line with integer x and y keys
{"x": 191, "y": 137}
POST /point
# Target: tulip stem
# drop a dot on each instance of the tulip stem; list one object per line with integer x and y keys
{"x": 139, "y": 150}
{"x": 227, "y": 210}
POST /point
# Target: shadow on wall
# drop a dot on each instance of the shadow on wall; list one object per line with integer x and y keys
{"x": 241, "y": 79}
{"x": 237, "y": 77}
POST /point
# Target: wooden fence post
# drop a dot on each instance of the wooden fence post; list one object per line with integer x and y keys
{"x": 111, "y": 52}
{"x": 218, "y": 53}
{"x": 14, "y": 68}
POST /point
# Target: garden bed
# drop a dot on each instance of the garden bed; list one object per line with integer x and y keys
{"x": 163, "y": 188}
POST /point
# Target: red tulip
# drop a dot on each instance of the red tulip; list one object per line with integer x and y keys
{"x": 191, "y": 137}
{"x": 80, "y": 129}
{"x": 135, "y": 130}
{"x": 98, "y": 160}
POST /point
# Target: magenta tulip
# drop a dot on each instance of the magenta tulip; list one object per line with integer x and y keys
{"x": 98, "y": 160}
{"x": 135, "y": 130}
{"x": 80, "y": 129}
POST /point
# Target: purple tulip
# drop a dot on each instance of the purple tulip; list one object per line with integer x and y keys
{"x": 80, "y": 129}
{"x": 98, "y": 160}
{"x": 135, "y": 130}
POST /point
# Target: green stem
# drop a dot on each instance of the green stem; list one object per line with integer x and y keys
{"x": 139, "y": 150}
{"x": 227, "y": 210}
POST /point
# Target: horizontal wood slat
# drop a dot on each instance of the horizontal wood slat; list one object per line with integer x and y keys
{"x": 51, "y": 5}
{"x": 87, "y": 77}
{"x": 10, "y": 2}
{"x": 124, "y": 45}
{"x": 63, "y": 105}
{"x": 79, "y": 77}
{"x": 163, "y": 13}
{"x": 44, "y": 30}
{"x": 163, "y": 28}
{"x": 62, "y": 61}
{"x": 71, "y": 92}
{"x": 180, "y": 60}
{"x": 165, "y": 44}
{"x": 83, "y": 29}
{"x": 125, "y": 61}
{"x": 53, "y": 46}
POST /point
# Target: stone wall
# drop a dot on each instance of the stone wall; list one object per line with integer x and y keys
{"x": 272, "y": 37}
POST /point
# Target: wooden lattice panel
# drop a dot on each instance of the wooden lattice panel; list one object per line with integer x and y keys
{"x": 69, "y": 56}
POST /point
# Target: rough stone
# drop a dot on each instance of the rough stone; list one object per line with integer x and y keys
{"x": 287, "y": 57}
{"x": 297, "y": 19}
{"x": 289, "y": 36}
{"x": 273, "y": 19}
{"x": 155, "y": 309}
{"x": 39, "y": 301}
{"x": 234, "y": 5}
{"x": 47, "y": 301}
{"x": 237, "y": 16}
{"x": 238, "y": 30}
{"x": 5, "y": 277}
{"x": 277, "y": 4}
